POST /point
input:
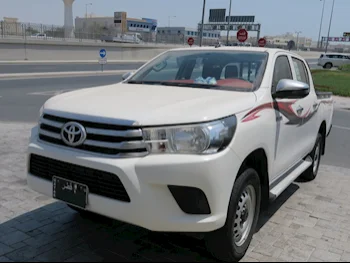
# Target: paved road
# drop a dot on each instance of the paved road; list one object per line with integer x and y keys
{"x": 51, "y": 67}
{"x": 20, "y": 101}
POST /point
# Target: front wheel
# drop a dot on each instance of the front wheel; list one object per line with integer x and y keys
{"x": 231, "y": 242}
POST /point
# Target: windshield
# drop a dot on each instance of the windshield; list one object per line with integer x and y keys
{"x": 225, "y": 69}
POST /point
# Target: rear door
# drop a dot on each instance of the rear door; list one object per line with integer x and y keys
{"x": 305, "y": 109}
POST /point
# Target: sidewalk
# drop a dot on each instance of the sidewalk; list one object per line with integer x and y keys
{"x": 309, "y": 222}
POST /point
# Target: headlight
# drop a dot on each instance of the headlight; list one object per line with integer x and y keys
{"x": 205, "y": 138}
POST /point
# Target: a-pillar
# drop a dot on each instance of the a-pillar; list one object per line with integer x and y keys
{"x": 68, "y": 19}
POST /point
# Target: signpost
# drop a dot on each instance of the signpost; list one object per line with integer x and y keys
{"x": 103, "y": 58}
{"x": 190, "y": 41}
{"x": 242, "y": 35}
{"x": 262, "y": 42}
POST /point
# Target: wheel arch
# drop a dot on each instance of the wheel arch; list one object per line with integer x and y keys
{"x": 259, "y": 162}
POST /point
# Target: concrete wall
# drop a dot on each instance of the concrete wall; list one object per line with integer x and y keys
{"x": 36, "y": 52}
{"x": 53, "y": 50}
{"x": 58, "y": 50}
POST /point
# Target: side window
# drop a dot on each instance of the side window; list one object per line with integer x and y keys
{"x": 198, "y": 69}
{"x": 301, "y": 71}
{"x": 282, "y": 71}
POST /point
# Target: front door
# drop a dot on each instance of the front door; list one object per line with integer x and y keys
{"x": 287, "y": 149}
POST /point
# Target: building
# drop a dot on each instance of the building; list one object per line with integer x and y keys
{"x": 180, "y": 35}
{"x": 10, "y": 27}
{"x": 117, "y": 24}
{"x": 281, "y": 41}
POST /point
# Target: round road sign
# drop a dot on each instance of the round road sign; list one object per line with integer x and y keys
{"x": 103, "y": 53}
{"x": 262, "y": 42}
{"x": 190, "y": 41}
{"x": 242, "y": 35}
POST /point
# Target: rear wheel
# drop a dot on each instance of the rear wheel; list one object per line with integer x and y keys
{"x": 328, "y": 65}
{"x": 316, "y": 153}
{"x": 231, "y": 242}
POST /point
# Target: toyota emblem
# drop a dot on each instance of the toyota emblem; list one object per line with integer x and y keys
{"x": 73, "y": 134}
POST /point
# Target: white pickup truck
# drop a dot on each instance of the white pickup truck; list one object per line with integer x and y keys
{"x": 196, "y": 140}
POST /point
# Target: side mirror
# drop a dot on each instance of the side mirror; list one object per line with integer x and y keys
{"x": 291, "y": 89}
{"x": 127, "y": 75}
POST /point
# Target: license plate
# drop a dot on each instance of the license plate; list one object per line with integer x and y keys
{"x": 73, "y": 193}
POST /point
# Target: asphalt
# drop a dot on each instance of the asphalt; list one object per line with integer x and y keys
{"x": 79, "y": 67}
{"x": 21, "y": 99}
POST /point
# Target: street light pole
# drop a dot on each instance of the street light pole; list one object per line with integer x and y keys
{"x": 330, "y": 25}
{"x": 228, "y": 25}
{"x": 86, "y": 9}
{"x": 319, "y": 35}
{"x": 298, "y": 32}
{"x": 202, "y": 27}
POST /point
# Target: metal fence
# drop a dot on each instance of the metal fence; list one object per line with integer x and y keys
{"x": 10, "y": 30}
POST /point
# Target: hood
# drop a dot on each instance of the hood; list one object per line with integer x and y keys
{"x": 151, "y": 104}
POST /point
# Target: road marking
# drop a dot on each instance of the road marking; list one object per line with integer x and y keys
{"x": 341, "y": 127}
{"x": 50, "y": 93}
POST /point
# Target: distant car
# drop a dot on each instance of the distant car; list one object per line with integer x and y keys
{"x": 38, "y": 35}
{"x": 331, "y": 60}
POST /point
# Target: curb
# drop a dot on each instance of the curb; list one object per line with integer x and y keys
{"x": 69, "y": 61}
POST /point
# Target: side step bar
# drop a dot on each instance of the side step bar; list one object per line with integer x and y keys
{"x": 290, "y": 178}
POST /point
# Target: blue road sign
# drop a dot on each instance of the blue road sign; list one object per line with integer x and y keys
{"x": 103, "y": 53}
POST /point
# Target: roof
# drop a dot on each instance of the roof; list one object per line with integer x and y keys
{"x": 271, "y": 51}
{"x": 336, "y": 53}
{"x": 240, "y": 48}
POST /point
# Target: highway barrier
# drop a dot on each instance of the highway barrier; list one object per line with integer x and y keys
{"x": 34, "y": 50}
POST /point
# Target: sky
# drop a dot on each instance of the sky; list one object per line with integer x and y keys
{"x": 276, "y": 16}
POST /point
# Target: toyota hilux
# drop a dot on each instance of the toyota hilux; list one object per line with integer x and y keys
{"x": 196, "y": 140}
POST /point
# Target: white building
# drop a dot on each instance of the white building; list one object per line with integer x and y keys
{"x": 281, "y": 41}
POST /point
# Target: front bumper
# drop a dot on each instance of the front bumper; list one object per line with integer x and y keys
{"x": 146, "y": 180}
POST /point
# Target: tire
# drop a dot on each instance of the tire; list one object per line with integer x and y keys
{"x": 222, "y": 243}
{"x": 328, "y": 65}
{"x": 316, "y": 153}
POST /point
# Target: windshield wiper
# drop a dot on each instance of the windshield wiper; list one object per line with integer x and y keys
{"x": 178, "y": 84}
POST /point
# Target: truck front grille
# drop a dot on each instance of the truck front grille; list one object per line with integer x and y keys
{"x": 102, "y": 138}
{"x": 99, "y": 182}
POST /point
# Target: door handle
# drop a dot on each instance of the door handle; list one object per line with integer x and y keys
{"x": 315, "y": 105}
{"x": 300, "y": 110}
